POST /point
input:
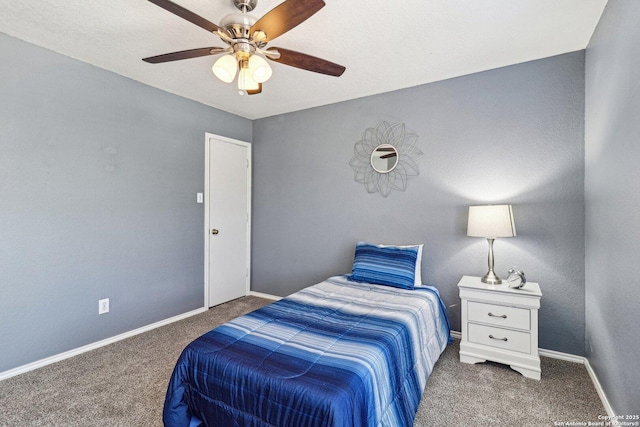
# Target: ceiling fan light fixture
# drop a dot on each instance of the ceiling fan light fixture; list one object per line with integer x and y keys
{"x": 225, "y": 68}
{"x": 247, "y": 36}
{"x": 259, "y": 69}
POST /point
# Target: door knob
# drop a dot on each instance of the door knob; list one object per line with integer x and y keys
{"x": 214, "y": 231}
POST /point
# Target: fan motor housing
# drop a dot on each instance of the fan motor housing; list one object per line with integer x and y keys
{"x": 238, "y": 24}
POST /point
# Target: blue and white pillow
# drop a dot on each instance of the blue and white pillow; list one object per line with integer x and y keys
{"x": 418, "y": 281}
{"x": 386, "y": 265}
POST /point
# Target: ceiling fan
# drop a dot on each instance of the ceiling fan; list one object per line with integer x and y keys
{"x": 247, "y": 38}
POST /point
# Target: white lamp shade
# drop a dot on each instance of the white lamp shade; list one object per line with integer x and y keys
{"x": 259, "y": 69}
{"x": 225, "y": 68}
{"x": 245, "y": 82}
{"x": 491, "y": 221}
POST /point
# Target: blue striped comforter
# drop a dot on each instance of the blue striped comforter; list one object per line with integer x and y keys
{"x": 338, "y": 353}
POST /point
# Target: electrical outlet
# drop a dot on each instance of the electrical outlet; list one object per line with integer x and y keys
{"x": 103, "y": 306}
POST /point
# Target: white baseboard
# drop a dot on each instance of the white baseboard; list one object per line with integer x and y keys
{"x": 575, "y": 359}
{"x": 266, "y": 296}
{"x": 76, "y": 351}
{"x": 561, "y": 356}
{"x": 599, "y": 389}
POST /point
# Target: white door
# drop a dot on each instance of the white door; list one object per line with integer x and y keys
{"x": 227, "y": 219}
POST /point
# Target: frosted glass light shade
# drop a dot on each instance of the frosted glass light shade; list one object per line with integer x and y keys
{"x": 245, "y": 82}
{"x": 259, "y": 69}
{"x": 491, "y": 221}
{"x": 225, "y": 68}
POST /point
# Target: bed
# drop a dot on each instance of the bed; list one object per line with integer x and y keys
{"x": 341, "y": 353}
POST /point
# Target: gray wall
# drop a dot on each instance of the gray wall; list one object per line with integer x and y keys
{"x": 612, "y": 204}
{"x": 512, "y": 135}
{"x": 98, "y": 182}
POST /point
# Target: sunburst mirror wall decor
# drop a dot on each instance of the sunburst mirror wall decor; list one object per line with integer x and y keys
{"x": 385, "y": 158}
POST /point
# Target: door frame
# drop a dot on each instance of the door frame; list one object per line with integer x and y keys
{"x": 207, "y": 225}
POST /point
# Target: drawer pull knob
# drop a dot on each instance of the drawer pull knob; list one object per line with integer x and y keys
{"x": 499, "y": 339}
{"x": 504, "y": 316}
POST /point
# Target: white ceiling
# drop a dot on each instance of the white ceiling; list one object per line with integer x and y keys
{"x": 384, "y": 44}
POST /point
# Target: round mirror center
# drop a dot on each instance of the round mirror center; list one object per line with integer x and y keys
{"x": 384, "y": 158}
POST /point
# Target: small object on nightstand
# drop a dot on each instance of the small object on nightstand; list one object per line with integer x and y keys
{"x": 500, "y": 324}
{"x": 516, "y": 278}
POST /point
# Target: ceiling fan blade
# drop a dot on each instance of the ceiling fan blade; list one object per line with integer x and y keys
{"x": 255, "y": 91}
{"x": 284, "y": 17}
{"x": 176, "y": 9}
{"x": 307, "y": 62}
{"x": 388, "y": 156}
{"x": 185, "y": 54}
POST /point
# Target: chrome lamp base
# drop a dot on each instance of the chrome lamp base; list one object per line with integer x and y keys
{"x": 491, "y": 277}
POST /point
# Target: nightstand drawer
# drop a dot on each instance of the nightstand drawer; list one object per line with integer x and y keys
{"x": 499, "y": 315}
{"x": 500, "y": 338}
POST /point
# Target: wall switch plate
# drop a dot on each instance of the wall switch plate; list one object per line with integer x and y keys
{"x": 200, "y": 197}
{"x": 103, "y": 306}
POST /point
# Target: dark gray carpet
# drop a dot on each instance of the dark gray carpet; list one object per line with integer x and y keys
{"x": 123, "y": 384}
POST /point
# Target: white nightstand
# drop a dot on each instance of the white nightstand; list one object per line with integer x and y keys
{"x": 500, "y": 324}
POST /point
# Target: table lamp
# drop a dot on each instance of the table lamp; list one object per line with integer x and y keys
{"x": 491, "y": 221}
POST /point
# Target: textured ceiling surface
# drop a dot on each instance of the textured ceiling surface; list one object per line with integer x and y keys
{"x": 384, "y": 44}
